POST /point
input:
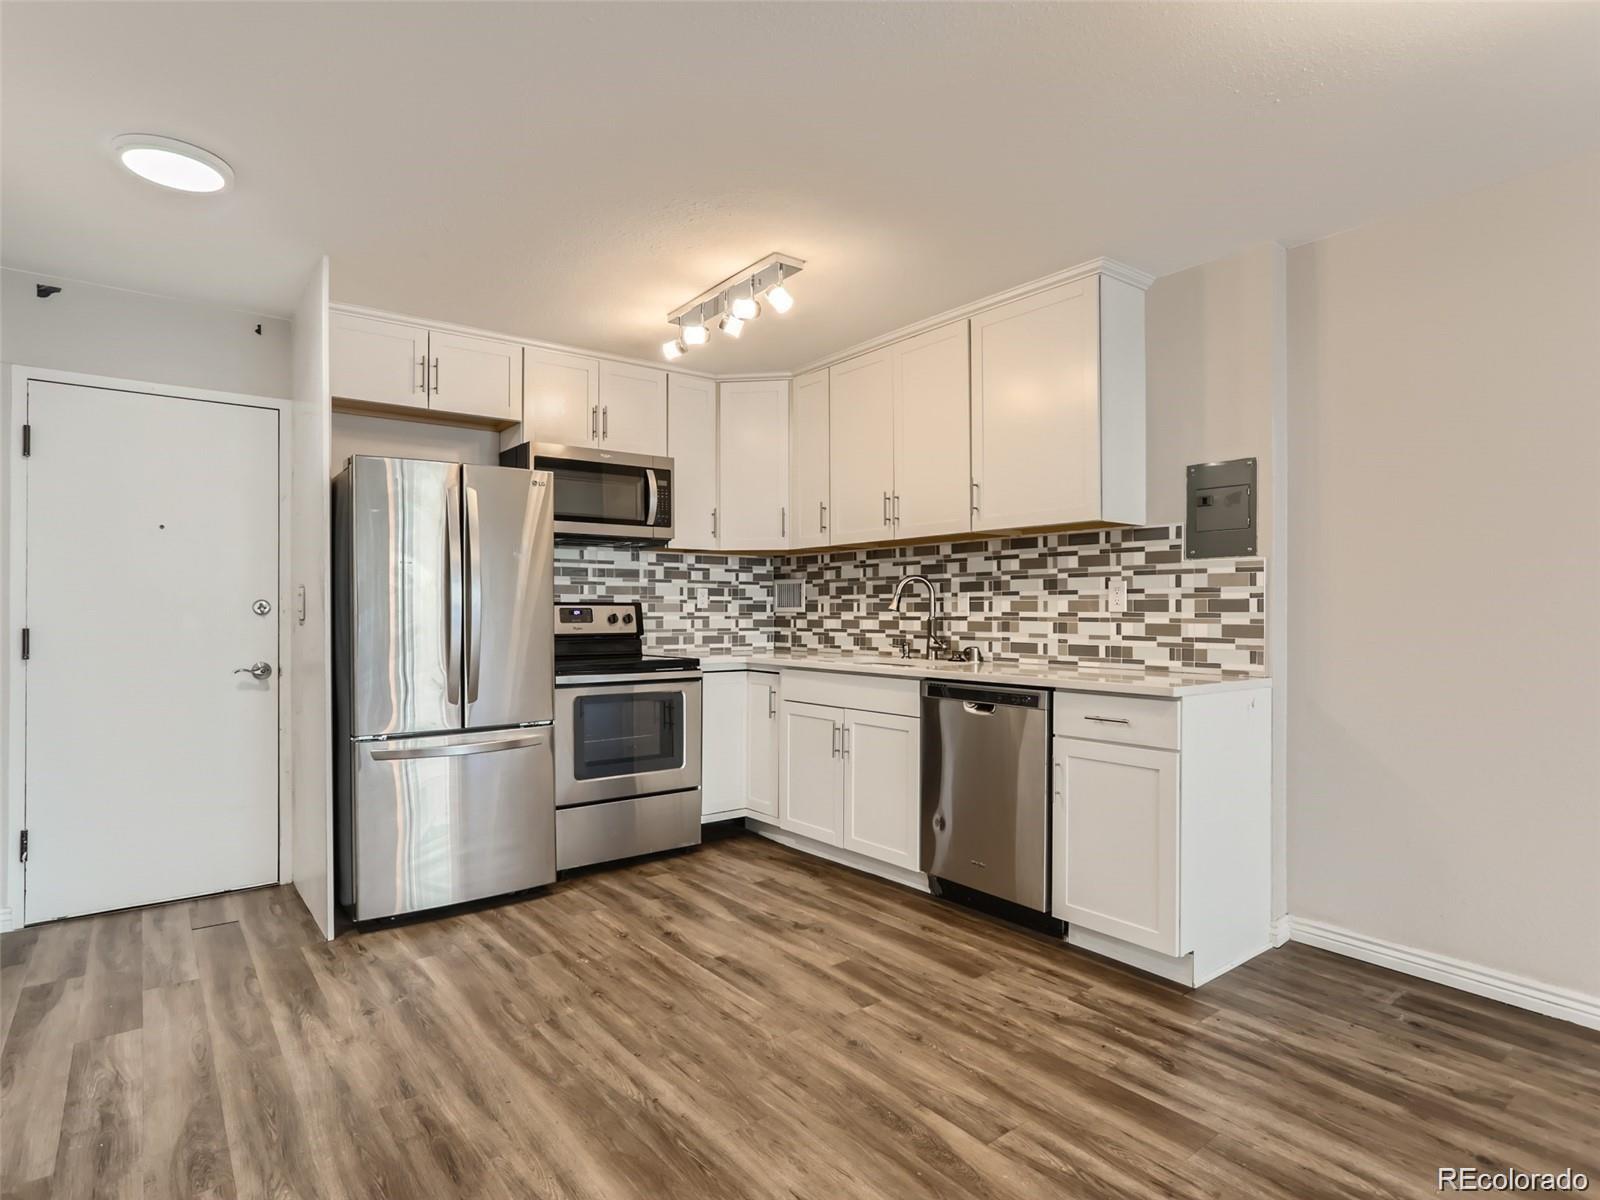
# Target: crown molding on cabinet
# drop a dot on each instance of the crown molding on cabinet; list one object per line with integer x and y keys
{"x": 378, "y": 314}
{"x": 1095, "y": 266}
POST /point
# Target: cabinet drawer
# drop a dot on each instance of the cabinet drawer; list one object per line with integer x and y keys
{"x": 867, "y": 693}
{"x": 1131, "y": 720}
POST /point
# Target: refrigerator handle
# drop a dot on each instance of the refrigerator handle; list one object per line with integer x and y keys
{"x": 475, "y": 587}
{"x": 452, "y": 594}
{"x": 463, "y": 749}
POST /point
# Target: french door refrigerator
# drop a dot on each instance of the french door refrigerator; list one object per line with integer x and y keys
{"x": 443, "y": 644}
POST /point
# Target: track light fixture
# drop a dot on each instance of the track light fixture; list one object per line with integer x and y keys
{"x": 738, "y": 299}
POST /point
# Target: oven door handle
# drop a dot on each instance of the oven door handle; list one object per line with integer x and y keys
{"x": 655, "y": 495}
{"x": 625, "y": 683}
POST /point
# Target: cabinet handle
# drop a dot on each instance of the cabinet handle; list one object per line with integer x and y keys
{"x": 435, "y": 376}
{"x": 783, "y": 521}
{"x": 605, "y": 423}
{"x": 772, "y": 703}
{"x": 822, "y": 517}
{"x": 975, "y": 495}
{"x": 422, "y": 370}
{"x": 1109, "y": 720}
{"x": 835, "y": 729}
{"x": 713, "y": 522}
{"x": 844, "y": 740}
{"x": 594, "y": 423}
{"x": 886, "y": 508}
{"x": 897, "y": 508}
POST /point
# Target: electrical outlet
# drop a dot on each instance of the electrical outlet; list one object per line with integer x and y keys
{"x": 1116, "y": 594}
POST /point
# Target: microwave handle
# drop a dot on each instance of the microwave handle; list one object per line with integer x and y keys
{"x": 655, "y": 495}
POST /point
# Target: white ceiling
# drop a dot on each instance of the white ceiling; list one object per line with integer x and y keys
{"x": 572, "y": 171}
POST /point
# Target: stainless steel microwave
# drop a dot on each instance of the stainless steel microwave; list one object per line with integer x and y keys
{"x": 602, "y": 495}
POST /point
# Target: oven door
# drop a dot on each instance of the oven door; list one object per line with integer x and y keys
{"x": 605, "y": 496}
{"x": 622, "y": 738}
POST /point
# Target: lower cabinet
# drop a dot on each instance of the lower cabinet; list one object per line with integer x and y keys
{"x": 1117, "y": 841}
{"x": 761, "y": 712}
{"x": 724, "y": 754}
{"x": 851, "y": 779}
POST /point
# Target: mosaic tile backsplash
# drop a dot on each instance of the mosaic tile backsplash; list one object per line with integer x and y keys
{"x": 1040, "y": 598}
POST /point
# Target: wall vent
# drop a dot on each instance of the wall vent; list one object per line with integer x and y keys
{"x": 789, "y": 595}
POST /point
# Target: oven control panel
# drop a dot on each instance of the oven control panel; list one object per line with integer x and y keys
{"x": 577, "y": 620}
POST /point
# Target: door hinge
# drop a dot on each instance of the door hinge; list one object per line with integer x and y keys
{"x": 27, "y": 441}
{"x": 27, "y": 642}
{"x": 22, "y": 849}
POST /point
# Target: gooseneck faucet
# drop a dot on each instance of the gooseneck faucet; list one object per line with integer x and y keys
{"x": 933, "y": 607}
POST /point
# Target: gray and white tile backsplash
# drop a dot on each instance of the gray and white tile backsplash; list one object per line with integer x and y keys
{"x": 1040, "y": 598}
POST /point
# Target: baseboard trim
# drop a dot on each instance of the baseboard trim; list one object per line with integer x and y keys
{"x": 1282, "y": 930}
{"x": 1564, "y": 1004}
{"x": 5, "y": 921}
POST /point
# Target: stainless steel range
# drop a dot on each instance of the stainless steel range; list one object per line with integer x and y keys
{"x": 627, "y": 739}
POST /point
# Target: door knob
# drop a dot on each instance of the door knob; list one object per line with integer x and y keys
{"x": 260, "y": 670}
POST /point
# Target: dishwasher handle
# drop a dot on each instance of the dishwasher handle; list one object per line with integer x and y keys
{"x": 983, "y": 700}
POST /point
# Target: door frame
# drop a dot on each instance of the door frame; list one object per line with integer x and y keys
{"x": 13, "y": 799}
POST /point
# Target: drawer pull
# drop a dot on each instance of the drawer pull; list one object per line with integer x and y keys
{"x": 1109, "y": 720}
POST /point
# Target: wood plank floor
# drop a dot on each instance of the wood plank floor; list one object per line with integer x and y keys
{"x": 741, "y": 1021}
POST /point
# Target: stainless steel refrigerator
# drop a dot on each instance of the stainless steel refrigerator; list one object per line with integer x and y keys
{"x": 443, "y": 646}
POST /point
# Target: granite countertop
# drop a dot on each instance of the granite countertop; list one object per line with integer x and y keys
{"x": 1126, "y": 681}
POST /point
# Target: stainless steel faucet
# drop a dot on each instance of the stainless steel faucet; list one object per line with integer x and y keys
{"x": 933, "y": 607}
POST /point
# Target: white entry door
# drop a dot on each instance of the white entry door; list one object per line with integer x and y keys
{"x": 151, "y": 768}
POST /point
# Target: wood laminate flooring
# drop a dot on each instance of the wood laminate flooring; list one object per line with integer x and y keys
{"x": 741, "y": 1021}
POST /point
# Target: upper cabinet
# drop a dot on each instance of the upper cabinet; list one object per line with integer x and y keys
{"x": 809, "y": 457}
{"x": 898, "y": 435}
{"x": 560, "y": 397}
{"x": 692, "y": 444}
{"x": 633, "y": 409}
{"x": 475, "y": 377}
{"x": 753, "y": 465}
{"x": 382, "y": 364}
{"x": 378, "y": 362}
{"x": 1058, "y": 408}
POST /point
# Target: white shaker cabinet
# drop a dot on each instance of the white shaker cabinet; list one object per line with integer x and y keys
{"x": 809, "y": 460}
{"x": 378, "y": 362}
{"x": 762, "y": 717}
{"x": 882, "y": 791}
{"x": 475, "y": 377}
{"x": 633, "y": 409}
{"x": 932, "y": 429}
{"x": 811, "y": 791}
{"x": 753, "y": 465}
{"x": 561, "y": 397}
{"x": 861, "y": 448}
{"x": 692, "y": 445}
{"x": 723, "y": 761}
{"x": 1058, "y": 407}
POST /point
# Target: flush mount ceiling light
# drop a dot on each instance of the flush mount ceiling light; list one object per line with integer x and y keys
{"x": 171, "y": 163}
{"x": 737, "y": 299}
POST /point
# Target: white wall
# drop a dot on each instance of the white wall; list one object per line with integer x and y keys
{"x": 310, "y": 681}
{"x": 1216, "y": 388}
{"x": 1444, "y": 724}
{"x": 130, "y": 335}
{"x": 124, "y": 335}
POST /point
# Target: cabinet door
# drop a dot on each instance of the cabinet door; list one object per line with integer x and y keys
{"x": 633, "y": 408}
{"x": 811, "y": 788}
{"x": 808, "y": 462}
{"x": 753, "y": 465}
{"x": 378, "y": 362}
{"x": 1116, "y": 850}
{"x": 561, "y": 397}
{"x": 761, "y": 709}
{"x": 1035, "y": 409}
{"x": 692, "y": 443}
{"x": 861, "y": 448}
{"x": 723, "y": 743}
{"x": 932, "y": 433}
{"x": 882, "y": 773}
{"x": 475, "y": 377}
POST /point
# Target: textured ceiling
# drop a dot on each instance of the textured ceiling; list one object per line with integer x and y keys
{"x": 572, "y": 171}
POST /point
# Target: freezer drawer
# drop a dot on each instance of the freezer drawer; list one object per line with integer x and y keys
{"x": 442, "y": 819}
{"x": 615, "y": 829}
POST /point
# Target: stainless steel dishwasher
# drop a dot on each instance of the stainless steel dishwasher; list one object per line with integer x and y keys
{"x": 986, "y": 790}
